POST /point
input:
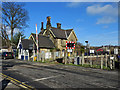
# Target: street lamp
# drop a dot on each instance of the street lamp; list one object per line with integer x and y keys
{"x": 86, "y": 46}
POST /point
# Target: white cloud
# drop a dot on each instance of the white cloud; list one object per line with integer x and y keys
{"x": 107, "y": 12}
{"x": 102, "y": 10}
{"x": 106, "y": 20}
{"x": 73, "y": 4}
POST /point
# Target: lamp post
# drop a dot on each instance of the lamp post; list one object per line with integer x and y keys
{"x": 86, "y": 48}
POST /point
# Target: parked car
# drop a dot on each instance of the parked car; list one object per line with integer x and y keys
{"x": 7, "y": 55}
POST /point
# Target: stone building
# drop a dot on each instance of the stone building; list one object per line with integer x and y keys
{"x": 58, "y": 35}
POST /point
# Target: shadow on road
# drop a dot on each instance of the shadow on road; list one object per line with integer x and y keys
{"x": 4, "y": 83}
{"x": 8, "y": 64}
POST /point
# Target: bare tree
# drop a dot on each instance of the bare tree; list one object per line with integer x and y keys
{"x": 14, "y": 16}
{"x": 4, "y": 35}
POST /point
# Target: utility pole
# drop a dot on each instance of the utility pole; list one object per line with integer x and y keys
{"x": 87, "y": 48}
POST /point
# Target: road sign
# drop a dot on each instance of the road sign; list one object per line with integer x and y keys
{"x": 92, "y": 51}
{"x": 70, "y": 45}
{"x": 69, "y": 50}
{"x": 112, "y": 58}
{"x": 116, "y": 51}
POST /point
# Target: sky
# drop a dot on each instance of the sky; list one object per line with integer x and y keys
{"x": 96, "y": 23}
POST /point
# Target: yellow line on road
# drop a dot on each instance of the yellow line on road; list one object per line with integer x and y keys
{"x": 21, "y": 84}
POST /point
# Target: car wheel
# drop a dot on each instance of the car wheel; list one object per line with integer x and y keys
{"x": 4, "y": 58}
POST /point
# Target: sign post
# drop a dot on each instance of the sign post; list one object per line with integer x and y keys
{"x": 69, "y": 46}
{"x": 91, "y": 52}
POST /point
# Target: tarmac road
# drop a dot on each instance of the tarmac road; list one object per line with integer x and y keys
{"x": 40, "y": 75}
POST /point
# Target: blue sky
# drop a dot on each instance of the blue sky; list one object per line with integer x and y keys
{"x": 95, "y": 22}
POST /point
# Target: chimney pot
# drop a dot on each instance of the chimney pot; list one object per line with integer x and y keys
{"x": 48, "y": 22}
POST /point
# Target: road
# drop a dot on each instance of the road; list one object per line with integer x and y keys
{"x": 34, "y": 75}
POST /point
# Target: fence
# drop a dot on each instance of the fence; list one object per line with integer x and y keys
{"x": 101, "y": 61}
{"x": 44, "y": 56}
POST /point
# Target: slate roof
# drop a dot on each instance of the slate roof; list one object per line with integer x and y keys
{"x": 26, "y": 43}
{"x": 60, "y": 33}
{"x": 43, "y": 41}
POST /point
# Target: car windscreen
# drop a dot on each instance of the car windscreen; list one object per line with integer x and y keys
{"x": 9, "y": 53}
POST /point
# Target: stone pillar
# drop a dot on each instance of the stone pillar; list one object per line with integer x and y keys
{"x": 82, "y": 58}
{"x": 28, "y": 55}
{"x": 24, "y": 53}
{"x": 101, "y": 62}
{"x": 106, "y": 59}
{"x": 65, "y": 56}
{"x": 33, "y": 54}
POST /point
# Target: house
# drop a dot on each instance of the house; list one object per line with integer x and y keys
{"x": 28, "y": 47}
{"x": 58, "y": 35}
{"x": 25, "y": 47}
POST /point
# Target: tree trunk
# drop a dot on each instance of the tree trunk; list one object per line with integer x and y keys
{"x": 11, "y": 35}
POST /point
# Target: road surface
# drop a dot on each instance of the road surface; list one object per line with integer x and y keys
{"x": 33, "y": 75}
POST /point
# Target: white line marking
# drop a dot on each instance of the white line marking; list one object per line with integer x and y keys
{"x": 46, "y": 78}
{"x": 9, "y": 83}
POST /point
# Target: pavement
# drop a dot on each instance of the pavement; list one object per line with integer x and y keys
{"x": 34, "y": 75}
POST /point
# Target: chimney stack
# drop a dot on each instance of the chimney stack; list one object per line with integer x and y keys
{"x": 42, "y": 26}
{"x": 48, "y": 25}
{"x": 59, "y": 25}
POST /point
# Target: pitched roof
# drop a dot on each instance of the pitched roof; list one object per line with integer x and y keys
{"x": 68, "y": 31}
{"x": 43, "y": 41}
{"x": 60, "y": 33}
{"x": 26, "y": 43}
{"x": 41, "y": 32}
